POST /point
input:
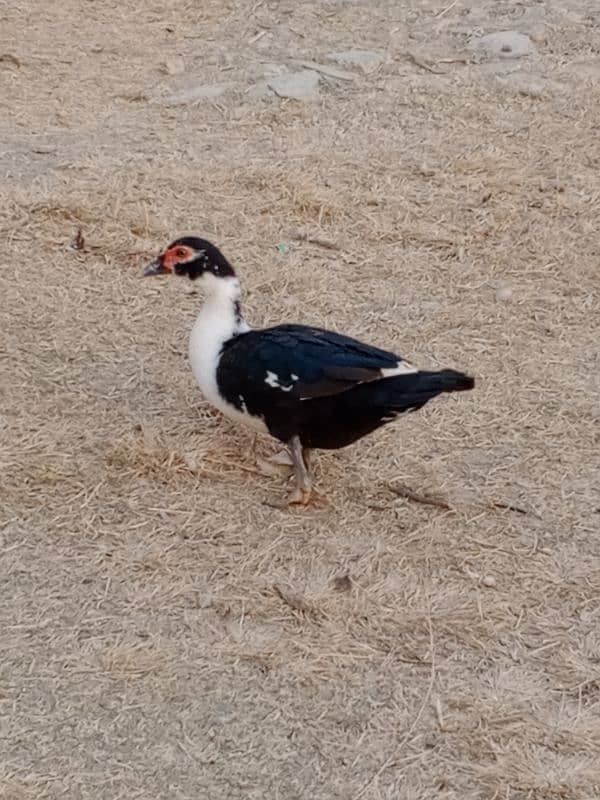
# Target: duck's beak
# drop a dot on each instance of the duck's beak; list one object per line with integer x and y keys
{"x": 155, "y": 268}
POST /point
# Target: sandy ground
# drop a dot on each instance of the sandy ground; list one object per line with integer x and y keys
{"x": 164, "y": 633}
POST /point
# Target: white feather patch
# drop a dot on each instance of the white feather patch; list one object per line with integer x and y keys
{"x": 272, "y": 379}
{"x": 401, "y": 368}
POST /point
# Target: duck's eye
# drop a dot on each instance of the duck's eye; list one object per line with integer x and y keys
{"x": 180, "y": 252}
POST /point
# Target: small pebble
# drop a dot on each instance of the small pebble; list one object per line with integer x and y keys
{"x": 503, "y": 293}
{"x": 302, "y": 85}
{"x": 538, "y": 34}
{"x": 190, "y": 461}
{"x": 175, "y": 65}
{"x": 204, "y": 600}
{"x": 489, "y": 580}
{"x": 342, "y": 583}
{"x": 504, "y": 44}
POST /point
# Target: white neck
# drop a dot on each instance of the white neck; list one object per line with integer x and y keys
{"x": 222, "y": 305}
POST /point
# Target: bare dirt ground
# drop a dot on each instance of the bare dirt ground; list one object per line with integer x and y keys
{"x": 163, "y": 632}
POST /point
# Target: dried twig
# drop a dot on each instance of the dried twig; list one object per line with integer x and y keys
{"x": 330, "y": 72}
{"x": 427, "y": 500}
{"x": 459, "y": 60}
{"x": 305, "y": 237}
{"x": 296, "y": 601}
{"x": 423, "y": 64}
{"x": 258, "y": 37}
{"x": 8, "y": 57}
{"x": 441, "y": 13}
{"x": 509, "y": 507}
{"x": 432, "y": 500}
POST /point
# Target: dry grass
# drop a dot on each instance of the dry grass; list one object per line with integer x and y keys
{"x": 165, "y": 633}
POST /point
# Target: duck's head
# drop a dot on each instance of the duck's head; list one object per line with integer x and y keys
{"x": 196, "y": 258}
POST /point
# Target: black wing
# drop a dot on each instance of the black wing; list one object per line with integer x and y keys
{"x": 295, "y": 362}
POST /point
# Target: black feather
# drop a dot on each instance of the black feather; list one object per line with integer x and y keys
{"x": 338, "y": 421}
{"x": 322, "y": 386}
{"x": 308, "y": 362}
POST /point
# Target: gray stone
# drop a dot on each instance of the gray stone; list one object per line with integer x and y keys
{"x": 366, "y": 59}
{"x": 504, "y": 294}
{"x": 529, "y": 85}
{"x": 587, "y": 69}
{"x": 269, "y": 69}
{"x": 504, "y": 44}
{"x": 259, "y": 91}
{"x": 174, "y": 66}
{"x": 195, "y": 94}
{"x": 498, "y": 68}
{"x": 303, "y": 85}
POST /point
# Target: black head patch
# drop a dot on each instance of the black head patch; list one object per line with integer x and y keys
{"x": 200, "y": 256}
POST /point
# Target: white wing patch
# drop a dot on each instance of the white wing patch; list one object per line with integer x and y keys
{"x": 401, "y": 368}
{"x": 272, "y": 379}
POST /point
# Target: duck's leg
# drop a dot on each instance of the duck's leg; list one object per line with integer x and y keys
{"x": 306, "y": 455}
{"x": 303, "y": 490}
{"x": 275, "y": 466}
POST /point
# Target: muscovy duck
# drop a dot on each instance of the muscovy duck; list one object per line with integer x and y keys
{"x": 308, "y": 387}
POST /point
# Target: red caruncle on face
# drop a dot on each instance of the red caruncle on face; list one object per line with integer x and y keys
{"x": 176, "y": 255}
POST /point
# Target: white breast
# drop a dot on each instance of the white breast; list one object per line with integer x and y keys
{"x": 211, "y": 330}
